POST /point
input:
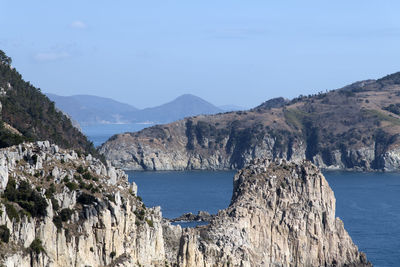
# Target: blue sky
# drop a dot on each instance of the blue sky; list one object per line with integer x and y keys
{"x": 228, "y": 52}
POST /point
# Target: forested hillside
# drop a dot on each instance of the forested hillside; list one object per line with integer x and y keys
{"x": 28, "y": 115}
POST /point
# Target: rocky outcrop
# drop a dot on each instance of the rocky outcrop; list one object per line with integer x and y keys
{"x": 201, "y": 216}
{"x": 124, "y": 152}
{"x": 61, "y": 208}
{"x": 281, "y": 214}
{"x": 92, "y": 216}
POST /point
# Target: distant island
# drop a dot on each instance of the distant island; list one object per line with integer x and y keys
{"x": 95, "y": 110}
{"x": 354, "y": 128}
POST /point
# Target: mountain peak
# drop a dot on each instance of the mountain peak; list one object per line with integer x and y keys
{"x": 188, "y": 97}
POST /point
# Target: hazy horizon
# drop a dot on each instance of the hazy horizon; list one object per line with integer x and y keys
{"x": 151, "y": 106}
{"x": 226, "y": 52}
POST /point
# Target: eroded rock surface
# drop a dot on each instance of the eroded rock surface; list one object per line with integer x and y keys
{"x": 92, "y": 215}
{"x": 61, "y": 208}
{"x": 281, "y": 214}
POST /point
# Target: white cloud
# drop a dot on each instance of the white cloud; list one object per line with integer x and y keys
{"x": 51, "y": 56}
{"x": 78, "y": 24}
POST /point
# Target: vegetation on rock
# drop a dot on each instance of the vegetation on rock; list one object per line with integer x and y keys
{"x": 30, "y": 112}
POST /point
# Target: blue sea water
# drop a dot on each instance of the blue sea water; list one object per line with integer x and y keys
{"x": 185, "y": 191}
{"x": 100, "y": 133}
{"x": 368, "y": 203}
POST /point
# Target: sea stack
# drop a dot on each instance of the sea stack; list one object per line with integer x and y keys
{"x": 281, "y": 214}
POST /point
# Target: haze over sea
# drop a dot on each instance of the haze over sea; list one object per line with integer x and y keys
{"x": 100, "y": 133}
{"x": 367, "y": 203}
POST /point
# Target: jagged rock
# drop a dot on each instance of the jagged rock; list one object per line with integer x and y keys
{"x": 96, "y": 234}
{"x": 200, "y": 216}
{"x": 281, "y": 214}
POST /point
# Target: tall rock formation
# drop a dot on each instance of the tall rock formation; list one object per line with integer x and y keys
{"x": 60, "y": 208}
{"x": 281, "y": 214}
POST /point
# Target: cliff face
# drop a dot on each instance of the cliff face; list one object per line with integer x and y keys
{"x": 356, "y": 127}
{"x": 75, "y": 211}
{"x": 281, "y": 214}
{"x": 60, "y": 208}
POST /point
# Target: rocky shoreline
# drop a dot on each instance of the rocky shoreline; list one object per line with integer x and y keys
{"x": 353, "y": 128}
{"x": 281, "y": 214}
{"x": 129, "y": 155}
{"x": 201, "y": 216}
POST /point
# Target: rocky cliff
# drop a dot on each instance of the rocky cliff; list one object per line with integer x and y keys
{"x": 281, "y": 214}
{"x": 356, "y": 127}
{"x": 60, "y": 208}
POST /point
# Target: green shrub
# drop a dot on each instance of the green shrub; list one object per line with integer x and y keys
{"x": 140, "y": 214}
{"x": 11, "y": 191}
{"x": 35, "y": 204}
{"x": 50, "y": 191}
{"x": 57, "y": 222}
{"x": 4, "y": 233}
{"x": 26, "y": 197}
{"x": 77, "y": 177}
{"x": 94, "y": 190}
{"x": 66, "y": 214}
{"x": 110, "y": 197}
{"x": 36, "y": 246}
{"x": 87, "y": 176}
{"x": 89, "y": 186}
{"x": 80, "y": 169}
{"x": 113, "y": 254}
{"x": 49, "y": 177}
{"x": 72, "y": 186}
{"x": 12, "y": 213}
{"x": 394, "y": 108}
{"x": 54, "y": 203}
{"x": 86, "y": 199}
{"x": 150, "y": 223}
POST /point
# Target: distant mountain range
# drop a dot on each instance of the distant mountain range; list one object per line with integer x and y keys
{"x": 91, "y": 110}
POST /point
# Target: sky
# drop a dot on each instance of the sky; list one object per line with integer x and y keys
{"x": 146, "y": 53}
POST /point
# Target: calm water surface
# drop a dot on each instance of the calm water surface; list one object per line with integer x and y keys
{"x": 100, "y": 133}
{"x": 368, "y": 203}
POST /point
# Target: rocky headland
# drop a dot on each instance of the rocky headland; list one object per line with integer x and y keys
{"x": 353, "y": 128}
{"x": 281, "y": 214}
{"x": 62, "y": 208}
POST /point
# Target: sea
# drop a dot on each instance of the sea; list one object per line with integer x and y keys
{"x": 367, "y": 203}
{"x": 100, "y": 133}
